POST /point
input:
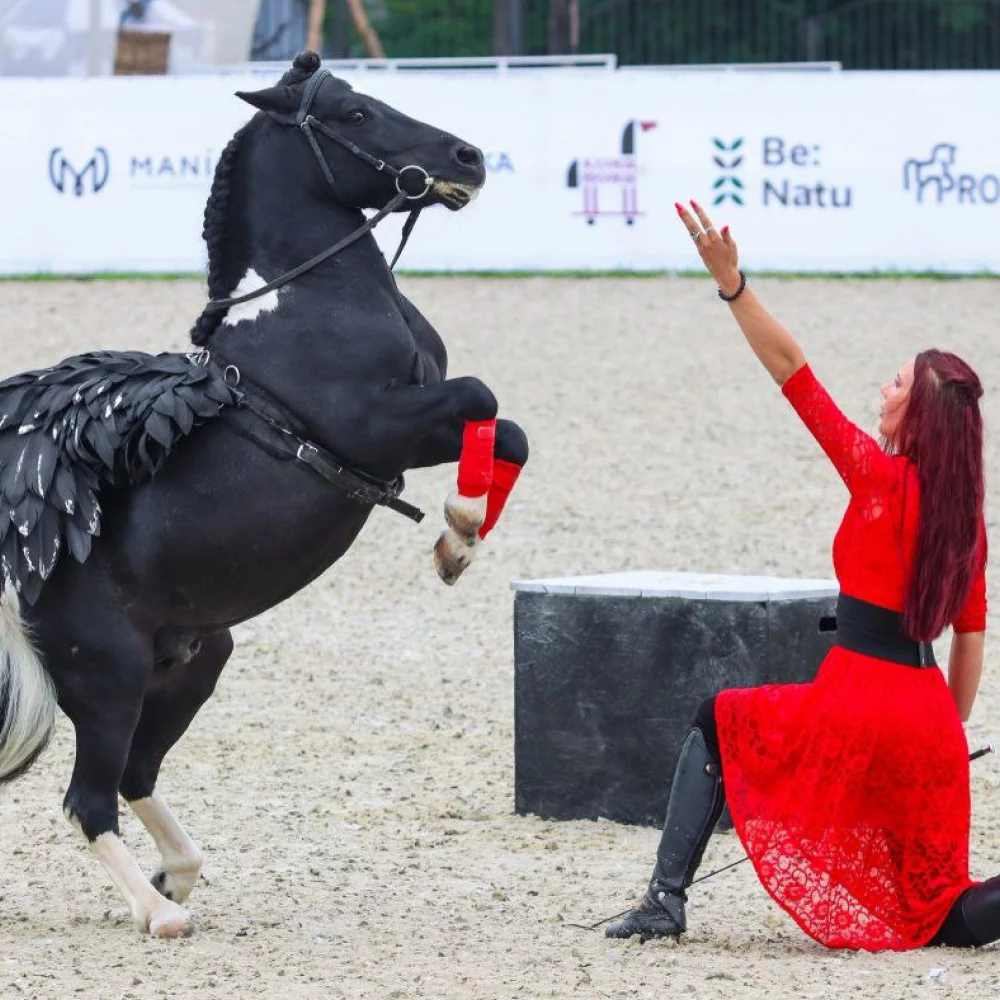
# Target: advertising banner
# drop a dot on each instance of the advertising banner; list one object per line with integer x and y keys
{"x": 815, "y": 172}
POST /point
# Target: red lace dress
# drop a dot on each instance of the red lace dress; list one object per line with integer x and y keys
{"x": 851, "y": 794}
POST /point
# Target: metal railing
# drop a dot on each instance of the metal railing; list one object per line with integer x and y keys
{"x": 496, "y": 64}
{"x": 750, "y": 67}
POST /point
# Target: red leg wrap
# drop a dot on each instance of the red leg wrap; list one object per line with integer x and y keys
{"x": 475, "y": 466}
{"x": 504, "y": 476}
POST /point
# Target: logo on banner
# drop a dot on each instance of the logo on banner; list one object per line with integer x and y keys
{"x": 497, "y": 163}
{"x": 172, "y": 168}
{"x": 728, "y": 186}
{"x": 934, "y": 177}
{"x": 88, "y": 179}
{"x": 790, "y": 177}
{"x": 792, "y": 174}
{"x": 609, "y": 184}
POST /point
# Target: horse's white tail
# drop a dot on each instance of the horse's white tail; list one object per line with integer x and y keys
{"x": 27, "y": 695}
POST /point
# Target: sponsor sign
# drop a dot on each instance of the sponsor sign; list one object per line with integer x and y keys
{"x": 814, "y": 172}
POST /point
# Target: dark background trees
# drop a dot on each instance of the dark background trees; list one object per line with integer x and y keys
{"x": 861, "y": 34}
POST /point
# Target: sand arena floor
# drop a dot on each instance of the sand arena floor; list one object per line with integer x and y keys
{"x": 352, "y": 780}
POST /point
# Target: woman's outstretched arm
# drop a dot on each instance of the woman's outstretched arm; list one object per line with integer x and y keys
{"x": 858, "y": 458}
{"x": 776, "y": 348}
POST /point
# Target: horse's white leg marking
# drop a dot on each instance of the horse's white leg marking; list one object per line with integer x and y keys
{"x": 150, "y": 911}
{"x": 180, "y": 856}
{"x": 248, "y": 311}
{"x": 465, "y": 516}
{"x": 459, "y": 542}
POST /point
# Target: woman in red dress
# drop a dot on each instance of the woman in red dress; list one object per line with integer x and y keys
{"x": 851, "y": 794}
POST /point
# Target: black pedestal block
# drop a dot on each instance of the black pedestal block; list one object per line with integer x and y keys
{"x": 606, "y": 688}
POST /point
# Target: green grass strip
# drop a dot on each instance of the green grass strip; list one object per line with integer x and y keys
{"x": 104, "y": 276}
{"x": 810, "y": 275}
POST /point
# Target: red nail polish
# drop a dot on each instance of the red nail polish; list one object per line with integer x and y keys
{"x": 725, "y": 229}
{"x": 694, "y": 204}
{"x": 677, "y": 205}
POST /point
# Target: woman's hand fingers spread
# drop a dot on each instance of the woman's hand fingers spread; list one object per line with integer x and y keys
{"x": 717, "y": 250}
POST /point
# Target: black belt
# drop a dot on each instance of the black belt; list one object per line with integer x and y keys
{"x": 874, "y": 631}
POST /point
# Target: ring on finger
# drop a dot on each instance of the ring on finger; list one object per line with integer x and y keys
{"x": 697, "y": 235}
{"x": 709, "y": 229}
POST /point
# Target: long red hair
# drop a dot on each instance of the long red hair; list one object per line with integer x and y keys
{"x": 942, "y": 432}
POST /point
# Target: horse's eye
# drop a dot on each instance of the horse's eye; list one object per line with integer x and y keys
{"x": 356, "y": 117}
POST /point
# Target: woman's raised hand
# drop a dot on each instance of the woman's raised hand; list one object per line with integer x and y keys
{"x": 718, "y": 250}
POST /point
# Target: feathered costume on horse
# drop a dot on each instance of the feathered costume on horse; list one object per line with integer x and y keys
{"x": 100, "y": 419}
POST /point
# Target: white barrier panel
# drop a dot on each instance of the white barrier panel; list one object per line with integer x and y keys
{"x": 815, "y": 172}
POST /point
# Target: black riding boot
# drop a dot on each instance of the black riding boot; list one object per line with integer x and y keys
{"x": 696, "y": 802}
{"x": 981, "y": 909}
{"x": 974, "y": 920}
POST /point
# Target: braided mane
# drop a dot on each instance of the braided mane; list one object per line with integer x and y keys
{"x": 215, "y": 231}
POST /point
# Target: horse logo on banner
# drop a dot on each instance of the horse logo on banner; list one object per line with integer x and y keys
{"x": 934, "y": 171}
{"x": 595, "y": 174}
{"x": 64, "y": 174}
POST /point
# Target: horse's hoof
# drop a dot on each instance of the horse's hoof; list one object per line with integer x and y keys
{"x": 176, "y": 885}
{"x": 169, "y": 920}
{"x": 452, "y": 556}
{"x": 465, "y": 516}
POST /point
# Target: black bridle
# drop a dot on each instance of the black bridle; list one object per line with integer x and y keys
{"x": 403, "y": 176}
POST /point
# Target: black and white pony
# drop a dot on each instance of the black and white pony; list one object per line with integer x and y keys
{"x": 223, "y": 481}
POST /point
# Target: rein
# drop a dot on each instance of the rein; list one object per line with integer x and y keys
{"x": 263, "y": 419}
{"x": 308, "y": 124}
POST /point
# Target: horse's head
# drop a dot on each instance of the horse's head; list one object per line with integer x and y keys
{"x": 337, "y": 141}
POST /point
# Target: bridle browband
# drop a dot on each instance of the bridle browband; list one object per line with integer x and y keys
{"x": 308, "y": 124}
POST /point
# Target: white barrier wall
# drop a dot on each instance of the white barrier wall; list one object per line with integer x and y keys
{"x": 814, "y": 171}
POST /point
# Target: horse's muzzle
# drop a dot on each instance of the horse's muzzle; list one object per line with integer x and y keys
{"x": 455, "y": 195}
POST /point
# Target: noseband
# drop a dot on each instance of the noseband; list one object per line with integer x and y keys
{"x": 403, "y": 177}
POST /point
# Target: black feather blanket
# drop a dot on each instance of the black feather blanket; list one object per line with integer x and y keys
{"x": 102, "y": 418}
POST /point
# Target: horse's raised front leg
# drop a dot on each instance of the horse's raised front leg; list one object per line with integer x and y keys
{"x": 101, "y": 691}
{"x": 177, "y": 690}
{"x": 455, "y": 421}
{"x": 488, "y": 467}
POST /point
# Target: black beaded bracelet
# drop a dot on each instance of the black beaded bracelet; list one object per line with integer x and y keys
{"x": 737, "y": 293}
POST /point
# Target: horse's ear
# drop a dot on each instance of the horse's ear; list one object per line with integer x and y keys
{"x": 280, "y": 100}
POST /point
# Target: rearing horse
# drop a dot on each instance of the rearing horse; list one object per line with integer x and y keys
{"x": 301, "y": 408}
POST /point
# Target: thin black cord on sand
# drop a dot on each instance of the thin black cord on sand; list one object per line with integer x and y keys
{"x": 975, "y": 755}
{"x": 593, "y": 927}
